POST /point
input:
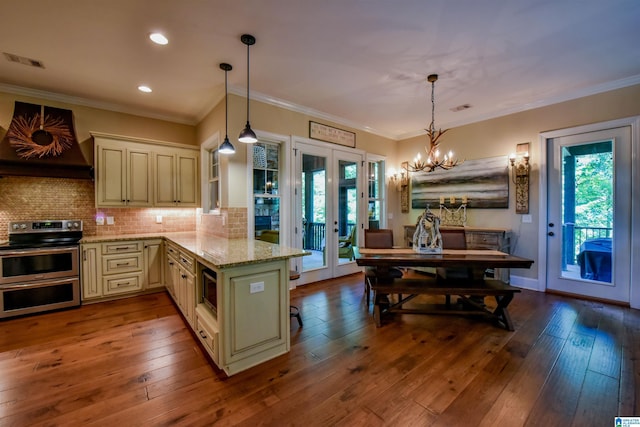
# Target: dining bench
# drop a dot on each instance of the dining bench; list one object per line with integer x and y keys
{"x": 471, "y": 295}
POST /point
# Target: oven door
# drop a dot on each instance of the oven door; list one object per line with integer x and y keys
{"x": 26, "y": 265}
{"x": 34, "y": 297}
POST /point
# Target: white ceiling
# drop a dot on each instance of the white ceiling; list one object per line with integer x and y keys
{"x": 362, "y": 63}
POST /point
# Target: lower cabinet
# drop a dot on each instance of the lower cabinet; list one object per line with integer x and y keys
{"x": 251, "y": 323}
{"x": 181, "y": 281}
{"x": 120, "y": 268}
{"x": 91, "y": 276}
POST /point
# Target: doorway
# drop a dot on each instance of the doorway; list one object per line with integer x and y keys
{"x": 328, "y": 205}
{"x": 589, "y": 203}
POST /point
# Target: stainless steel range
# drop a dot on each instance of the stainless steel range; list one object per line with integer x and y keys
{"x": 39, "y": 267}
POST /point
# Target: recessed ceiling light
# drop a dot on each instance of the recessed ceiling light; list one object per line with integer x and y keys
{"x": 158, "y": 38}
{"x": 145, "y": 89}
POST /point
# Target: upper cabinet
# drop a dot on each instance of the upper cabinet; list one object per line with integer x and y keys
{"x": 123, "y": 175}
{"x": 131, "y": 172}
{"x": 176, "y": 178}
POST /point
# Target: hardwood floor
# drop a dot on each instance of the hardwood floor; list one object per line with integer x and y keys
{"x": 133, "y": 362}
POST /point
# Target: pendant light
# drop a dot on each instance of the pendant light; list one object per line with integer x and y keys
{"x": 433, "y": 160}
{"x": 226, "y": 147}
{"x": 247, "y": 135}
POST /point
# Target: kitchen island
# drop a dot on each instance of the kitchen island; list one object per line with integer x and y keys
{"x": 234, "y": 293}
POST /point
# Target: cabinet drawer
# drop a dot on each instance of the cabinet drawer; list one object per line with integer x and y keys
{"x": 121, "y": 264}
{"x": 479, "y": 240}
{"x": 172, "y": 251}
{"x": 114, "y": 285}
{"x": 121, "y": 247}
{"x": 208, "y": 335}
{"x": 187, "y": 262}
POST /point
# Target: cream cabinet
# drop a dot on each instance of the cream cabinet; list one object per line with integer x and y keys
{"x": 153, "y": 264}
{"x": 90, "y": 273}
{"x": 176, "y": 178}
{"x": 123, "y": 175}
{"x": 135, "y": 172}
{"x": 121, "y": 268}
{"x": 251, "y": 324}
{"x": 181, "y": 281}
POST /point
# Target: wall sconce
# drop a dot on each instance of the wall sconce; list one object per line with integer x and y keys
{"x": 398, "y": 179}
{"x": 520, "y": 176}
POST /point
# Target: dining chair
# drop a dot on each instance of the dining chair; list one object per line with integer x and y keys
{"x": 377, "y": 239}
{"x": 454, "y": 238}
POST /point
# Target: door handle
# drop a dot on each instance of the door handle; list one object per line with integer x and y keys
{"x": 335, "y": 230}
{"x": 551, "y": 233}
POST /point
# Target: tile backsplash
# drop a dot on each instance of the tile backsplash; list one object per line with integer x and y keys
{"x": 23, "y": 198}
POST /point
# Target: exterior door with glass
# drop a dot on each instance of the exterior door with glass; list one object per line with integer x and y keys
{"x": 328, "y": 205}
{"x": 589, "y": 214}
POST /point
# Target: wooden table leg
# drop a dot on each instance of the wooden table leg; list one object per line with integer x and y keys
{"x": 501, "y": 310}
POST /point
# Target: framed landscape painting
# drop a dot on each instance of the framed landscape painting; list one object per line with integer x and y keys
{"x": 484, "y": 183}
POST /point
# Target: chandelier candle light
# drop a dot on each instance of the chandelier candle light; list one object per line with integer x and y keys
{"x": 433, "y": 160}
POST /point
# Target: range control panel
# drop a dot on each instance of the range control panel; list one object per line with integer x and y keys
{"x": 45, "y": 226}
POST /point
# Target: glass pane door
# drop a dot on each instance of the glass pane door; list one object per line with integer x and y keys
{"x": 314, "y": 207}
{"x": 589, "y": 206}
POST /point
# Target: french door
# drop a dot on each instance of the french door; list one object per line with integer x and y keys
{"x": 589, "y": 201}
{"x": 328, "y": 199}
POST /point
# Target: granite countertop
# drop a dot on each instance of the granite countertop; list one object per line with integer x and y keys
{"x": 215, "y": 251}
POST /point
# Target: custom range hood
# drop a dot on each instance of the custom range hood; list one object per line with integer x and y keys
{"x": 41, "y": 141}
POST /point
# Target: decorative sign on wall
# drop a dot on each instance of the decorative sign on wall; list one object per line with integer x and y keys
{"x": 404, "y": 190}
{"x": 482, "y": 183}
{"x": 331, "y": 134}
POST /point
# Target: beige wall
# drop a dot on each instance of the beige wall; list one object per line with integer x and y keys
{"x": 271, "y": 119}
{"x": 88, "y": 119}
{"x": 499, "y": 136}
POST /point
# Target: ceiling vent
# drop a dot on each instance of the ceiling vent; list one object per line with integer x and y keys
{"x": 460, "y": 108}
{"x": 23, "y": 60}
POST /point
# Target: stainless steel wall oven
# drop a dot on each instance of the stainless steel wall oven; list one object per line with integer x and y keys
{"x": 39, "y": 267}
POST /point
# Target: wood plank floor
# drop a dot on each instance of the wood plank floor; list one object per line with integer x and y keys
{"x": 133, "y": 362}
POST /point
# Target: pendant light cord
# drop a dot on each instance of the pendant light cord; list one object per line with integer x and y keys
{"x": 226, "y": 107}
{"x": 248, "y": 45}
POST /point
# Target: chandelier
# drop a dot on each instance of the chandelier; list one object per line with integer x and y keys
{"x": 433, "y": 160}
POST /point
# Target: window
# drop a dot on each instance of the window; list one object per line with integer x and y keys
{"x": 213, "y": 180}
{"x": 266, "y": 191}
{"x": 375, "y": 181}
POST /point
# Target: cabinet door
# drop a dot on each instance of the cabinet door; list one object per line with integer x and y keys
{"x": 190, "y": 298}
{"x": 165, "y": 173}
{"x": 139, "y": 178}
{"x": 110, "y": 183}
{"x": 153, "y": 267}
{"x": 91, "y": 282}
{"x": 172, "y": 276}
{"x": 187, "y": 179}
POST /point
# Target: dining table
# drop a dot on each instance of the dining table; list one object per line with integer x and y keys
{"x": 471, "y": 291}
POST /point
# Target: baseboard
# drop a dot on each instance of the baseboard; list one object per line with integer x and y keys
{"x": 525, "y": 283}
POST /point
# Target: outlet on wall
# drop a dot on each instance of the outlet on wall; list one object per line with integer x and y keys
{"x": 158, "y": 219}
{"x": 256, "y": 287}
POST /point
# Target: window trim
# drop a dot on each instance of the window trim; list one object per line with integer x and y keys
{"x": 206, "y": 148}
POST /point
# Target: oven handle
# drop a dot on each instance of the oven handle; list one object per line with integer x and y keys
{"x": 36, "y": 251}
{"x": 38, "y": 284}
